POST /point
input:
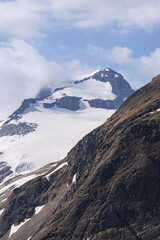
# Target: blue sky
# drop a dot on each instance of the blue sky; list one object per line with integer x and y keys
{"x": 54, "y": 41}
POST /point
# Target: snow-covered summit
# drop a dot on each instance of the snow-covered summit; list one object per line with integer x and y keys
{"x": 43, "y": 129}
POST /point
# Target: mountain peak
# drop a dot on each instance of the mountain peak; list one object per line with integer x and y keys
{"x": 101, "y": 73}
{"x": 62, "y": 116}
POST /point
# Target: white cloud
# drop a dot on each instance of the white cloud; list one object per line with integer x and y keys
{"x": 150, "y": 64}
{"x": 120, "y": 54}
{"x": 76, "y": 69}
{"x": 30, "y": 18}
{"x": 116, "y": 54}
{"x": 23, "y": 18}
{"x": 147, "y": 65}
{"x": 124, "y": 13}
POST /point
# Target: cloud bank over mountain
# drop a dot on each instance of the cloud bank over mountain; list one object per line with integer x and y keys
{"x": 23, "y": 71}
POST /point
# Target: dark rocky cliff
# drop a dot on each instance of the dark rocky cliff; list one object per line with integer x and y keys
{"x": 116, "y": 194}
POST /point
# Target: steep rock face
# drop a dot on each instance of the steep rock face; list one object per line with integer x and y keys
{"x": 117, "y": 191}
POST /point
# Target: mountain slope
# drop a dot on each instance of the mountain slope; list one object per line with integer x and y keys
{"x": 45, "y": 128}
{"x": 108, "y": 186}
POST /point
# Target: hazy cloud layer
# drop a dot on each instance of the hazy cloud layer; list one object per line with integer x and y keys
{"x": 29, "y": 18}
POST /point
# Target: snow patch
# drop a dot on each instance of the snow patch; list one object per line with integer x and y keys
{"x": 158, "y": 110}
{"x": 63, "y": 164}
{"x": 16, "y": 228}
{"x": 106, "y": 69}
{"x": 4, "y": 200}
{"x": 116, "y": 75}
{"x": 74, "y": 178}
{"x": 90, "y": 89}
{"x": 1, "y": 211}
{"x": 102, "y": 75}
{"x": 17, "y": 183}
{"x": 38, "y": 209}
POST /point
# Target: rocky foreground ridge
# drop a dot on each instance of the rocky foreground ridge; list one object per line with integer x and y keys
{"x": 108, "y": 186}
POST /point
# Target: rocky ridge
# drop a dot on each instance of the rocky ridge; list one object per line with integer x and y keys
{"x": 108, "y": 186}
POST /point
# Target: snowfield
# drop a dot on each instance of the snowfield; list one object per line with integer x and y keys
{"x": 57, "y": 132}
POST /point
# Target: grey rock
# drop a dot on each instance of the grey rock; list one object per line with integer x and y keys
{"x": 17, "y": 129}
{"x": 4, "y": 171}
{"x": 67, "y": 102}
{"x": 107, "y": 104}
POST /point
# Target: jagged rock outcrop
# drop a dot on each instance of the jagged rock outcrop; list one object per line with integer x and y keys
{"x": 67, "y": 102}
{"x": 21, "y": 128}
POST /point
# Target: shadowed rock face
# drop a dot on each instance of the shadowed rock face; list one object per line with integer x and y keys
{"x": 17, "y": 129}
{"x": 116, "y": 192}
{"x": 69, "y": 103}
{"x": 4, "y": 170}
